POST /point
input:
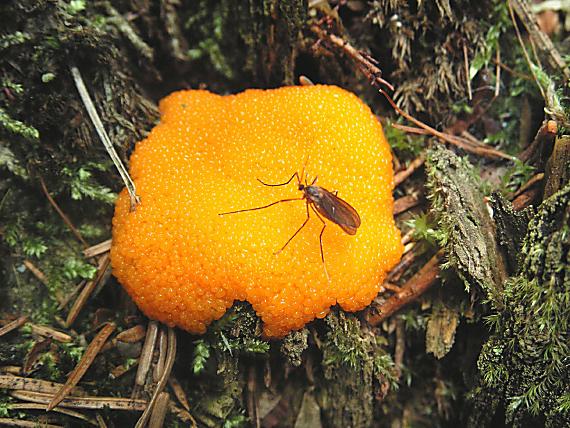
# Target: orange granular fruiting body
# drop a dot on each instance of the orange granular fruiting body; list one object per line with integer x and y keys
{"x": 184, "y": 265}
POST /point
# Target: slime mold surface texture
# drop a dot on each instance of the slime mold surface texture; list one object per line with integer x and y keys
{"x": 184, "y": 265}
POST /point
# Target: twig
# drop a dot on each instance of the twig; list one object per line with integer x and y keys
{"x": 405, "y": 203}
{"x": 145, "y": 358}
{"x": 33, "y": 385}
{"x": 456, "y": 141}
{"x": 537, "y": 178}
{"x": 498, "y": 72}
{"x": 251, "y": 397}
{"x": 400, "y": 346}
{"x": 36, "y": 272}
{"x": 81, "y": 367}
{"x": 38, "y": 406}
{"x": 9, "y": 422}
{"x": 525, "y": 14}
{"x": 403, "y": 175}
{"x": 162, "y": 350}
{"x": 87, "y": 402}
{"x": 159, "y": 411}
{"x": 467, "y": 75}
{"x": 179, "y": 393}
{"x": 132, "y": 335}
{"x": 81, "y": 300}
{"x": 45, "y": 331}
{"x": 169, "y": 363}
{"x": 96, "y": 120}
{"x": 64, "y": 217}
{"x": 366, "y": 64}
{"x": 415, "y": 287}
{"x": 13, "y": 325}
{"x": 521, "y": 42}
{"x": 97, "y": 249}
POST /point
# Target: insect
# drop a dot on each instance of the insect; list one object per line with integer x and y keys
{"x": 325, "y": 204}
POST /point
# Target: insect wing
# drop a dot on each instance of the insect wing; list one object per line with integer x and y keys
{"x": 338, "y": 211}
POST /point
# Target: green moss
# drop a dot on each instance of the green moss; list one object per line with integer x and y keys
{"x": 523, "y": 363}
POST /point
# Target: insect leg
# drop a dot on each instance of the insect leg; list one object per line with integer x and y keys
{"x": 263, "y": 207}
{"x": 281, "y": 184}
{"x": 298, "y": 230}
{"x": 321, "y": 242}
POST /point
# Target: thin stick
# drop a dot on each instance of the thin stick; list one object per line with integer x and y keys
{"x": 169, "y": 363}
{"x": 527, "y": 57}
{"x": 97, "y": 249}
{"x": 498, "y": 75}
{"x": 415, "y": 287}
{"x": 81, "y": 300}
{"x": 145, "y": 358}
{"x": 467, "y": 76}
{"x": 13, "y": 325}
{"x": 87, "y": 402}
{"x": 64, "y": 217}
{"x": 81, "y": 367}
{"x": 96, "y": 120}
{"x": 483, "y": 151}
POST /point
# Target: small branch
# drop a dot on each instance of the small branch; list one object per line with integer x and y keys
{"x": 403, "y": 175}
{"x": 169, "y": 363}
{"x": 98, "y": 249}
{"x": 98, "y": 124}
{"x": 415, "y": 287}
{"x": 85, "y": 362}
{"x": 81, "y": 300}
{"x": 145, "y": 358}
{"x": 17, "y": 323}
{"x": 366, "y": 64}
{"x": 64, "y": 217}
{"x": 405, "y": 203}
{"x": 456, "y": 141}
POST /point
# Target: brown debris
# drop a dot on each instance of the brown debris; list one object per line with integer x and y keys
{"x": 169, "y": 363}
{"x": 179, "y": 392}
{"x": 36, "y": 272}
{"x": 132, "y": 335}
{"x": 411, "y": 290}
{"x": 67, "y": 412}
{"x": 405, "y": 203}
{"x": 64, "y": 217}
{"x": 9, "y": 422}
{"x": 98, "y": 249}
{"x": 103, "y": 268}
{"x": 145, "y": 358}
{"x": 45, "y": 331}
{"x": 85, "y": 362}
{"x": 13, "y": 325}
{"x": 403, "y": 175}
{"x": 557, "y": 172}
{"x": 86, "y": 402}
{"x": 159, "y": 411}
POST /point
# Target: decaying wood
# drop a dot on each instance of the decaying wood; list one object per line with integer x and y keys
{"x": 85, "y": 362}
{"x": 557, "y": 172}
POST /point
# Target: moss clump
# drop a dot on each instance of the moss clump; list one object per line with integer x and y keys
{"x": 523, "y": 367}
